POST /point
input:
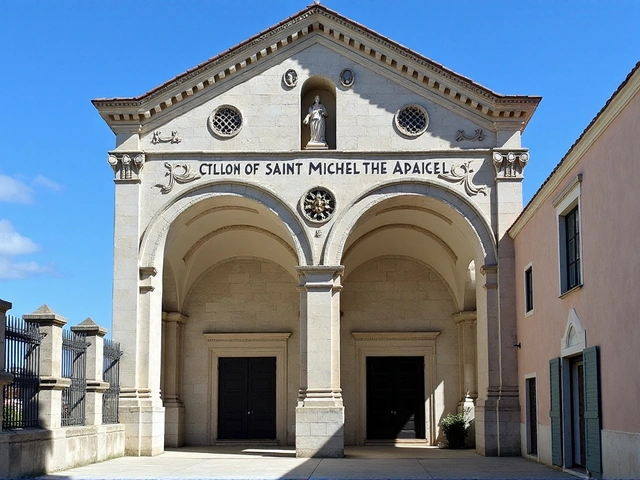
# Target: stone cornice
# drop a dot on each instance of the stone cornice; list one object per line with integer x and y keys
{"x": 627, "y": 90}
{"x": 394, "y": 335}
{"x": 319, "y": 20}
{"x": 247, "y": 337}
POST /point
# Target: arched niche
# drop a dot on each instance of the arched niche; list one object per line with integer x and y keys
{"x": 326, "y": 90}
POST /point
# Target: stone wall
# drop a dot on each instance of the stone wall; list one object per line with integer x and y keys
{"x": 399, "y": 294}
{"x": 242, "y": 295}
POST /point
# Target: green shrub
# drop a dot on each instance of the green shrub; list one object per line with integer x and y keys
{"x": 454, "y": 427}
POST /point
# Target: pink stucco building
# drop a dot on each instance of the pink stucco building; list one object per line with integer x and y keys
{"x": 577, "y": 265}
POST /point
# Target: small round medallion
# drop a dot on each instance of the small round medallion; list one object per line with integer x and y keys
{"x": 347, "y": 77}
{"x": 318, "y": 205}
{"x": 290, "y": 78}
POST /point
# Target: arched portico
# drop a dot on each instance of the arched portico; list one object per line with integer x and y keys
{"x": 421, "y": 223}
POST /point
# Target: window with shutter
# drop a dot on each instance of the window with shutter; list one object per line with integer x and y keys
{"x": 592, "y": 411}
{"x": 556, "y": 412}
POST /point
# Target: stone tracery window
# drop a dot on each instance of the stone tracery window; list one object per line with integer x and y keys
{"x": 318, "y": 205}
{"x": 412, "y": 120}
{"x": 226, "y": 121}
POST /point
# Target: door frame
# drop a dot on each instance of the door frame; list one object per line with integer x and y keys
{"x": 395, "y": 344}
{"x": 247, "y": 345}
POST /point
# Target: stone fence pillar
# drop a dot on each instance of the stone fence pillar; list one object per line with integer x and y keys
{"x": 94, "y": 334}
{"x": 51, "y": 381}
{"x": 5, "y": 377}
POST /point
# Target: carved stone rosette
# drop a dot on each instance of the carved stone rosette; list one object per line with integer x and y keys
{"x": 126, "y": 166}
{"x": 510, "y": 164}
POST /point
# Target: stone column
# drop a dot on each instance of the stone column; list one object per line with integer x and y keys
{"x": 500, "y": 404}
{"x": 95, "y": 384}
{"x": 466, "y": 322}
{"x": 173, "y": 325}
{"x": 51, "y": 381}
{"x": 136, "y": 309}
{"x": 320, "y": 411}
{"x": 5, "y": 377}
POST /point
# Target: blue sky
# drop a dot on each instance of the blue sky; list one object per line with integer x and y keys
{"x": 56, "y": 188}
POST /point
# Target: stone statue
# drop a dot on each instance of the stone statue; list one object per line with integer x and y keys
{"x": 315, "y": 120}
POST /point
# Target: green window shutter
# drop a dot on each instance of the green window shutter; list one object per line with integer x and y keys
{"x": 556, "y": 412}
{"x": 592, "y": 409}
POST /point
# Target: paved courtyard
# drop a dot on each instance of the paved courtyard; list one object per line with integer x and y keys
{"x": 379, "y": 462}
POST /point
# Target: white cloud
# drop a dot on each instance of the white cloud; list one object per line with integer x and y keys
{"x": 47, "y": 182}
{"x": 17, "y": 270}
{"x": 13, "y": 190}
{"x": 12, "y": 243}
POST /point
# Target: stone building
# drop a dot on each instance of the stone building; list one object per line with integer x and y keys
{"x": 311, "y": 246}
{"x": 577, "y": 264}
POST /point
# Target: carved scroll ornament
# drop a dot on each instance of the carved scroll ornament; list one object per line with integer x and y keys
{"x": 477, "y": 135}
{"x": 158, "y": 138}
{"x": 185, "y": 176}
{"x": 462, "y": 174}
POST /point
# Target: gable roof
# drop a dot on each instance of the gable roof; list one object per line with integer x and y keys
{"x": 618, "y": 100}
{"x": 514, "y": 110}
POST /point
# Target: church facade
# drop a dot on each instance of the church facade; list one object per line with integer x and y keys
{"x": 311, "y": 247}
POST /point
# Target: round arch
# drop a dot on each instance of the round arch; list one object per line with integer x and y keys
{"x": 345, "y": 223}
{"x": 153, "y": 238}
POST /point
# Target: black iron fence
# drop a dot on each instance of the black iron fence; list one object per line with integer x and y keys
{"x": 74, "y": 366}
{"x": 22, "y": 359}
{"x": 111, "y": 374}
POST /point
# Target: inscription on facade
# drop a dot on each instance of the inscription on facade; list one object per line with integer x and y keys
{"x": 382, "y": 167}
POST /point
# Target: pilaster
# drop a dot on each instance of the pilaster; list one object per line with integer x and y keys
{"x": 320, "y": 412}
{"x": 467, "y": 341}
{"x": 136, "y": 311}
{"x": 51, "y": 381}
{"x": 499, "y": 408}
{"x": 172, "y": 339}
{"x": 94, "y": 334}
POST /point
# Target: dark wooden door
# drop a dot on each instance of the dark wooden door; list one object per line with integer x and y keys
{"x": 395, "y": 398}
{"x": 247, "y": 398}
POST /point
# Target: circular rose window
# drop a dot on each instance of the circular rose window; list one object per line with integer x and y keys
{"x": 318, "y": 204}
{"x": 225, "y": 121}
{"x": 412, "y": 120}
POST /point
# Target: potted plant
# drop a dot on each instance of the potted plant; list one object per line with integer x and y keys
{"x": 455, "y": 429}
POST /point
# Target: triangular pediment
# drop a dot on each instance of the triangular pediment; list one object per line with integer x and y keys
{"x": 318, "y": 24}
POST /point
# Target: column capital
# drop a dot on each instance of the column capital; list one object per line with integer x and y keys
{"x": 509, "y": 164}
{"x": 465, "y": 316}
{"x": 45, "y": 317}
{"x": 319, "y": 276}
{"x": 174, "y": 317}
{"x": 89, "y": 328}
{"x": 127, "y": 166}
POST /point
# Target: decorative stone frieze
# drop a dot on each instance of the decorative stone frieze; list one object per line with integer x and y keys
{"x": 126, "y": 166}
{"x": 158, "y": 138}
{"x": 510, "y": 164}
{"x": 462, "y": 174}
{"x": 186, "y": 176}
{"x": 478, "y": 135}
{"x": 412, "y": 65}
